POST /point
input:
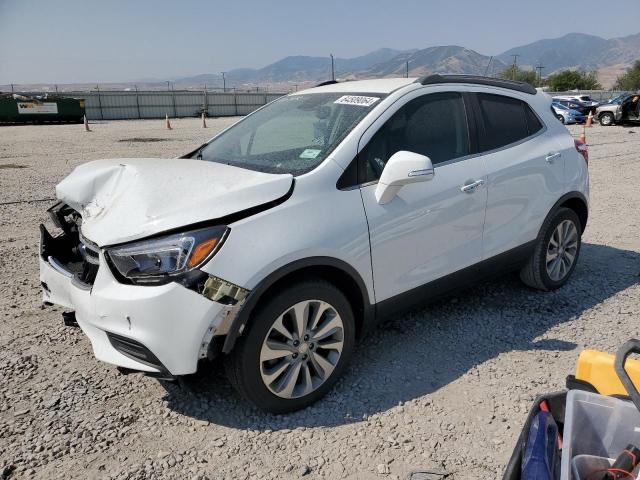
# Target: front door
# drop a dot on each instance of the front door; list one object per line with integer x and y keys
{"x": 433, "y": 228}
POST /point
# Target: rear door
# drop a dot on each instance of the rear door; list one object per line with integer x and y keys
{"x": 525, "y": 171}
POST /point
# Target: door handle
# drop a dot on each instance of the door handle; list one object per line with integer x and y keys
{"x": 552, "y": 157}
{"x": 471, "y": 187}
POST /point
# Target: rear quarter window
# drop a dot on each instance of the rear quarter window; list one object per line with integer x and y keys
{"x": 534, "y": 124}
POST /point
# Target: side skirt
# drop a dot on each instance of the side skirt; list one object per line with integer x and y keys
{"x": 508, "y": 261}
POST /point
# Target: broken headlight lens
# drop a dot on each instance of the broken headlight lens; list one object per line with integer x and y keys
{"x": 158, "y": 260}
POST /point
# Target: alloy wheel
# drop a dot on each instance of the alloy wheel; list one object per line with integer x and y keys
{"x": 301, "y": 349}
{"x": 562, "y": 250}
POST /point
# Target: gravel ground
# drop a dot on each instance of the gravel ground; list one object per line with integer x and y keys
{"x": 448, "y": 386}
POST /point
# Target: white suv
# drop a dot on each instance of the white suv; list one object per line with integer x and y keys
{"x": 282, "y": 240}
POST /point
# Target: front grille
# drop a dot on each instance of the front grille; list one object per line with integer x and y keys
{"x": 135, "y": 350}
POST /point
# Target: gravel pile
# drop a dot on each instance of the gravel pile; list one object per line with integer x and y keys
{"x": 446, "y": 387}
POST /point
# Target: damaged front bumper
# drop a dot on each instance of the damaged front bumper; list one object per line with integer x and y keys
{"x": 161, "y": 329}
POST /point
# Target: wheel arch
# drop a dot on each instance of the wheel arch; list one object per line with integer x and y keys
{"x": 577, "y": 202}
{"x": 335, "y": 271}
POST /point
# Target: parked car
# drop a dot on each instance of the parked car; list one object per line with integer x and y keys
{"x": 574, "y": 105}
{"x": 280, "y": 242}
{"x": 567, "y": 115}
{"x": 584, "y": 99}
{"x": 624, "y": 108}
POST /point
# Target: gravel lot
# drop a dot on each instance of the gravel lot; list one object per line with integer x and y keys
{"x": 448, "y": 386}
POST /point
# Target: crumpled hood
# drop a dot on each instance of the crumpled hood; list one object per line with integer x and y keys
{"x": 131, "y": 198}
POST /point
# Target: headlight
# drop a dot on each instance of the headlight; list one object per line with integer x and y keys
{"x": 159, "y": 260}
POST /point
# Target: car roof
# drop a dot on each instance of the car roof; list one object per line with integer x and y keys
{"x": 382, "y": 85}
{"x": 389, "y": 85}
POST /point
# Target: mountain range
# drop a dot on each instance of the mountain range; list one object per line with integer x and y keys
{"x": 574, "y": 50}
{"x": 609, "y": 58}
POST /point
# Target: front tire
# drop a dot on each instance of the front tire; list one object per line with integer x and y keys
{"x": 561, "y": 118}
{"x": 606, "y": 119}
{"x": 296, "y": 346}
{"x": 556, "y": 252}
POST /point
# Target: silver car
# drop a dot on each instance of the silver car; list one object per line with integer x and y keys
{"x": 621, "y": 109}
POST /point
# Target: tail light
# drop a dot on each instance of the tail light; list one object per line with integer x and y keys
{"x": 582, "y": 149}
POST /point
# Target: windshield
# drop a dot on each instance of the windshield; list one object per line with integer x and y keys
{"x": 618, "y": 100}
{"x": 293, "y": 134}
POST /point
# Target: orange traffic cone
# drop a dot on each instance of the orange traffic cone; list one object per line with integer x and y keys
{"x": 86, "y": 124}
{"x": 204, "y": 121}
{"x": 168, "y": 123}
{"x": 589, "y": 120}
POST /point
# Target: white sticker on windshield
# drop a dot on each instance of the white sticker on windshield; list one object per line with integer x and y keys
{"x": 357, "y": 100}
{"x": 310, "y": 153}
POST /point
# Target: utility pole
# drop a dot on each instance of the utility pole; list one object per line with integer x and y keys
{"x": 173, "y": 98}
{"x": 224, "y": 82}
{"x": 56, "y": 88}
{"x": 100, "y": 102}
{"x": 488, "y": 65}
{"x": 407, "y": 69}
{"x": 12, "y": 88}
{"x": 295, "y": 85}
{"x": 515, "y": 65}
{"x": 333, "y": 71}
{"x": 137, "y": 101}
{"x": 539, "y": 67}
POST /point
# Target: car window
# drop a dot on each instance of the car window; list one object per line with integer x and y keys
{"x": 504, "y": 121}
{"x": 434, "y": 125}
{"x": 534, "y": 124}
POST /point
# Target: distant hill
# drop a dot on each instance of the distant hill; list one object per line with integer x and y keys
{"x": 576, "y": 50}
{"x": 384, "y": 62}
{"x": 444, "y": 59}
{"x": 299, "y": 68}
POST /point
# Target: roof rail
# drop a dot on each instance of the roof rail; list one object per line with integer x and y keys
{"x": 479, "y": 80}
{"x": 328, "y": 82}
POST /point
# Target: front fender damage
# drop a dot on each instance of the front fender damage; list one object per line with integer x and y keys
{"x": 232, "y": 297}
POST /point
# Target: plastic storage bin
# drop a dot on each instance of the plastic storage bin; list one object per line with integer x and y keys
{"x": 598, "y": 426}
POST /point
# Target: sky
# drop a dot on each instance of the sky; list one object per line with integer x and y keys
{"x": 81, "y": 41}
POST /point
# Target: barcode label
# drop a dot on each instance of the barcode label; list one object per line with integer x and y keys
{"x": 357, "y": 100}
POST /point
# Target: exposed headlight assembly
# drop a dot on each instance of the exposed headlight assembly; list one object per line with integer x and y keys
{"x": 160, "y": 260}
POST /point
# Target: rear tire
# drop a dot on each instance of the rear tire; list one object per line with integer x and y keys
{"x": 281, "y": 365}
{"x": 556, "y": 252}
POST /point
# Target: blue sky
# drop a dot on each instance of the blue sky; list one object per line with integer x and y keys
{"x": 65, "y": 41}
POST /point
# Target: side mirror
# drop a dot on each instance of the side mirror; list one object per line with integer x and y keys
{"x": 402, "y": 169}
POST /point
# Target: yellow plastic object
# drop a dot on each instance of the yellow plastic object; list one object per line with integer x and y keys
{"x": 597, "y": 369}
